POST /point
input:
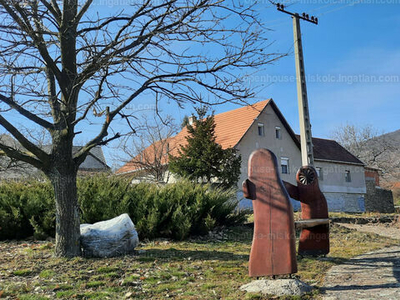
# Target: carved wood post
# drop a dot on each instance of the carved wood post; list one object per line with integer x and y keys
{"x": 273, "y": 251}
{"x": 314, "y": 240}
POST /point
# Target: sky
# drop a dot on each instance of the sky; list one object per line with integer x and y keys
{"x": 352, "y": 65}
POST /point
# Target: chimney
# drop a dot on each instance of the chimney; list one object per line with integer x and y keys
{"x": 191, "y": 119}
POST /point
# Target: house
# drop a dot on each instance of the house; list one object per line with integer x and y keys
{"x": 341, "y": 176}
{"x": 95, "y": 162}
{"x": 262, "y": 125}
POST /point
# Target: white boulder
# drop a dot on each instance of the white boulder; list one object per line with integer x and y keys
{"x": 109, "y": 238}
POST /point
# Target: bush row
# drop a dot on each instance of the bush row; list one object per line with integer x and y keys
{"x": 172, "y": 211}
{"x": 26, "y": 208}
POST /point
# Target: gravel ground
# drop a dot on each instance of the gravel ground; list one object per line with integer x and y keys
{"x": 375, "y": 275}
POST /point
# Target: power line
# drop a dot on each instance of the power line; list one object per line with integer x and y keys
{"x": 323, "y": 6}
{"x": 339, "y": 8}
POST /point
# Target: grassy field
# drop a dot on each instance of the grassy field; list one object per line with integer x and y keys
{"x": 204, "y": 268}
{"x": 397, "y": 200}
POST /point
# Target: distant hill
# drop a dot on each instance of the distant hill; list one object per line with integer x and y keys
{"x": 383, "y": 152}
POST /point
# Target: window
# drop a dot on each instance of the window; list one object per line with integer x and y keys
{"x": 347, "y": 176}
{"x": 285, "y": 165}
{"x": 319, "y": 173}
{"x": 260, "y": 129}
{"x": 278, "y": 133}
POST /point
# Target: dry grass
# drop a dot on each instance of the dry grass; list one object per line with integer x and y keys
{"x": 396, "y": 196}
{"x": 212, "y": 268}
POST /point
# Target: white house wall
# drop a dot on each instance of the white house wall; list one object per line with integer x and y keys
{"x": 284, "y": 147}
{"x": 342, "y": 195}
{"x": 333, "y": 177}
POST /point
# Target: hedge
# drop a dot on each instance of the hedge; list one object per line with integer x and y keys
{"x": 171, "y": 211}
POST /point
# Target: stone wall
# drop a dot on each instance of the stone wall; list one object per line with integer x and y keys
{"x": 378, "y": 199}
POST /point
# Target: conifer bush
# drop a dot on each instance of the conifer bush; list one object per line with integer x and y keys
{"x": 26, "y": 208}
{"x": 100, "y": 197}
{"x": 172, "y": 211}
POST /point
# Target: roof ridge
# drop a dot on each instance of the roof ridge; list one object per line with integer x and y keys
{"x": 247, "y": 106}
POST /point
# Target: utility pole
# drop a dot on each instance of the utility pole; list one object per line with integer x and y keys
{"x": 307, "y": 154}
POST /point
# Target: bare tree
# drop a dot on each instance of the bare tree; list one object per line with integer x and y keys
{"x": 149, "y": 147}
{"x": 354, "y": 138}
{"x": 370, "y": 146}
{"x": 61, "y": 60}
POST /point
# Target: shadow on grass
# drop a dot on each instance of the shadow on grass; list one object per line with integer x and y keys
{"x": 235, "y": 234}
{"x": 192, "y": 255}
{"x": 333, "y": 259}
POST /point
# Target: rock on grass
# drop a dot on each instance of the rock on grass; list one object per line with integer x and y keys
{"x": 109, "y": 238}
{"x": 277, "y": 287}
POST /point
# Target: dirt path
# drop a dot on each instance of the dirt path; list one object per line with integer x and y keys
{"x": 375, "y": 275}
{"x": 381, "y": 229}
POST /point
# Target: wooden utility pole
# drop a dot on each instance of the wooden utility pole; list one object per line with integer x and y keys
{"x": 307, "y": 154}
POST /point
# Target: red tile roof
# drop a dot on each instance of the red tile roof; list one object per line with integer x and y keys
{"x": 230, "y": 127}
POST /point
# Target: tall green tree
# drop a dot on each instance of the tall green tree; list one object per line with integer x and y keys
{"x": 204, "y": 160}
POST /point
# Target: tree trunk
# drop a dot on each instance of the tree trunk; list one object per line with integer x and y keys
{"x": 67, "y": 214}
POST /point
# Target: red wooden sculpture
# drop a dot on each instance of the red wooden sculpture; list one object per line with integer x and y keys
{"x": 313, "y": 240}
{"x": 273, "y": 251}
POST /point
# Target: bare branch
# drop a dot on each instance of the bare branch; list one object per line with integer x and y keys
{"x": 40, "y": 154}
{"x": 83, "y": 10}
{"x": 148, "y": 148}
{"x": 54, "y": 9}
{"x": 39, "y": 42}
{"x": 26, "y": 113}
{"x": 18, "y": 155}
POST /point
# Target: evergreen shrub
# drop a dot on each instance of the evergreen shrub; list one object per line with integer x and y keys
{"x": 171, "y": 211}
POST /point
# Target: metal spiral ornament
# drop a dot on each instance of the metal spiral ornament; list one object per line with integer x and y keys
{"x": 306, "y": 176}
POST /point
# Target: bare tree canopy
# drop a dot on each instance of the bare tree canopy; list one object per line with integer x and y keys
{"x": 353, "y": 137}
{"x": 374, "y": 148}
{"x": 148, "y": 149}
{"x": 64, "y": 63}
